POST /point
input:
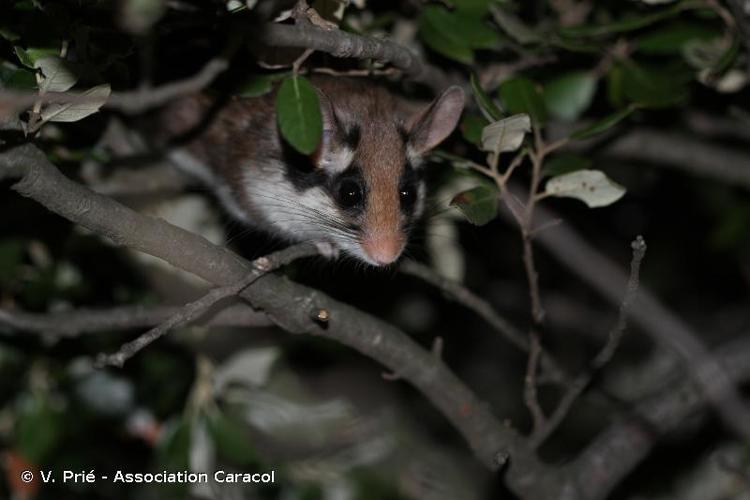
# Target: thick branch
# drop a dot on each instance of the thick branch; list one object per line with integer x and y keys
{"x": 342, "y": 44}
{"x": 292, "y": 306}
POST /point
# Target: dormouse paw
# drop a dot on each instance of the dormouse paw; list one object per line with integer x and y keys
{"x": 327, "y": 249}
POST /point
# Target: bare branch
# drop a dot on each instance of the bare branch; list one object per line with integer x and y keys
{"x": 83, "y": 321}
{"x": 649, "y": 314}
{"x": 457, "y": 292}
{"x": 342, "y": 44}
{"x": 580, "y": 383}
{"x": 197, "y": 308}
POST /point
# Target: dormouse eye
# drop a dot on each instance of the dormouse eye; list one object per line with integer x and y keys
{"x": 350, "y": 194}
{"x": 408, "y": 195}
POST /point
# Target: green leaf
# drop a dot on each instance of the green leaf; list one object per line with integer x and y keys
{"x": 39, "y": 429}
{"x": 258, "y": 85}
{"x": 630, "y": 23}
{"x": 488, "y": 108}
{"x": 478, "y": 205}
{"x": 173, "y": 449}
{"x": 514, "y": 27}
{"x": 592, "y": 187}
{"x": 11, "y": 257}
{"x": 521, "y": 95}
{"x": 471, "y": 127}
{"x": 17, "y": 78}
{"x": 670, "y": 39}
{"x": 232, "y": 440}
{"x": 30, "y": 56}
{"x": 455, "y": 34}
{"x": 602, "y": 125}
{"x": 91, "y": 101}
{"x": 298, "y": 114}
{"x": 570, "y": 94}
{"x": 564, "y": 163}
{"x": 505, "y": 135}
{"x": 654, "y": 87}
{"x": 615, "y": 91}
{"x": 58, "y": 77}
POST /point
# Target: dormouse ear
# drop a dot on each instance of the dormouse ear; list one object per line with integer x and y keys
{"x": 430, "y": 126}
{"x": 332, "y": 153}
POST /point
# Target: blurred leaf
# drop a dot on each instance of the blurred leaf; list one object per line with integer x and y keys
{"x": 11, "y": 257}
{"x": 506, "y": 134}
{"x": 486, "y": 106}
{"x": 615, "y": 91}
{"x": 455, "y": 34}
{"x": 602, "y": 125}
{"x": 652, "y": 87}
{"x": 232, "y": 440}
{"x": 570, "y": 94}
{"x": 592, "y": 187}
{"x": 17, "y": 78}
{"x": 564, "y": 163}
{"x": 472, "y": 126}
{"x": 38, "y": 430}
{"x": 138, "y": 16}
{"x": 8, "y": 34}
{"x": 670, "y": 39}
{"x": 249, "y": 367}
{"x": 58, "y": 77}
{"x": 331, "y": 10}
{"x": 514, "y": 27}
{"x": 258, "y": 85}
{"x": 473, "y": 7}
{"x": 521, "y": 95}
{"x": 630, "y": 23}
{"x": 478, "y": 205}
{"x": 173, "y": 449}
{"x": 91, "y": 101}
{"x": 31, "y": 55}
{"x": 298, "y": 114}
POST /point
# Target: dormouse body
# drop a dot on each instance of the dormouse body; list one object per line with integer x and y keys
{"x": 360, "y": 192}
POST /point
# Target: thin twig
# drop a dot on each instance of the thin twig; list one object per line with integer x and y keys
{"x": 83, "y": 321}
{"x": 460, "y": 294}
{"x": 195, "y": 309}
{"x": 579, "y": 384}
{"x": 530, "y": 396}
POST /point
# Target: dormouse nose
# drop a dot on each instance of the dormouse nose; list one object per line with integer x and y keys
{"x": 383, "y": 248}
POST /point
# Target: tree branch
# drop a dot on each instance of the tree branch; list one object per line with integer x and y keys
{"x": 290, "y": 305}
{"x": 342, "y": 44}
{"x": 83, "y": 321}
{"x": 197, "y": 308}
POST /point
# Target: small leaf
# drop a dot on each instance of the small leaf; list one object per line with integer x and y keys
{"x": 58, "y": 76}
{"x": 602, "y": 125}
{"x": 592, "y": 187}
{"x": 569, "y": 95}
{"x": 472, "y": 126}
{"x": 258, "y": 85}
{"x": 486, "y": 106}
{"x": 565, "y": 163}
{"x": 455, "y": 34}
{"x": 672, "y": 38}
{"x": 232, "y": 440}
{"x": 506, "y": 134}
{"x": 514, "y": 27}
{"x": 621, "y": 26}
{"x": 654, "y": 87}
{"x": 31, "y": 55}
{"x": 17, "y": 78}
{"x": 298, "y": 114}
{"x": 521, "y": 95}
{"x": 478, "y": 205}
{"x": 90, "y": 102}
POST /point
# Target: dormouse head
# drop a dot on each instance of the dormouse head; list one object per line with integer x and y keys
{"x": 372, "y": 154}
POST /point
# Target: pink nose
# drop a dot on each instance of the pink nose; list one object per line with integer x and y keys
{"x": 383, "y": 249}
